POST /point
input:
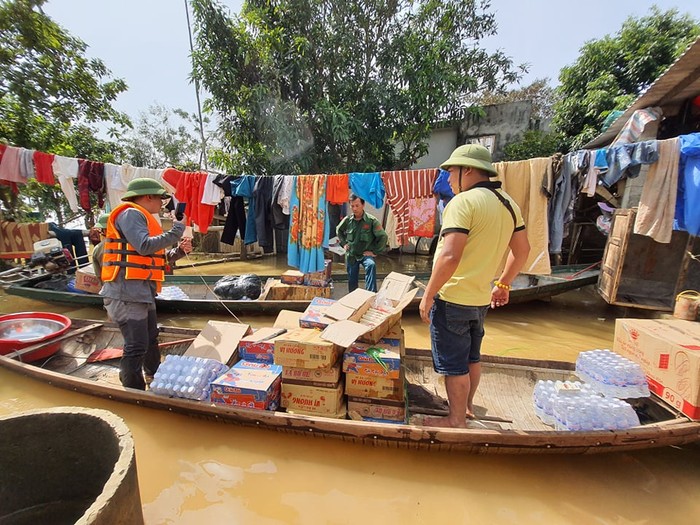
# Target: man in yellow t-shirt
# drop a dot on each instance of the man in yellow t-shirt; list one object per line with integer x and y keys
{"x": 480, "y": 224}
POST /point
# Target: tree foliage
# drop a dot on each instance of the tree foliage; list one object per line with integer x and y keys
{"x": 162, "y": 137}
{"x": 534, "y": 143}
{"x": 322, "y": 85}
{"x": 612, "y": 72}
{"x": 51, "y": 94}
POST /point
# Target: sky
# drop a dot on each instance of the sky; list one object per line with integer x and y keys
{"x": 146, "y": 43}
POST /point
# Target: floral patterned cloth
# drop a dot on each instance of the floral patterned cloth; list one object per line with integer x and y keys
{"x": 309, "y": 228}
{"x": 421, "y": 217}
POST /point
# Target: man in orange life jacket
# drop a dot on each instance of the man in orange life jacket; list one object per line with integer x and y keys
{"x": 133, "y": 269}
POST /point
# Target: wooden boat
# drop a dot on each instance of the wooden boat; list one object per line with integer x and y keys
{"x": 201, "y": 298}
{"x": 506, "y": 422}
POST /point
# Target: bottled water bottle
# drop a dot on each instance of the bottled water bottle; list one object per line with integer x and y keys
{"x": 186, "y": 377}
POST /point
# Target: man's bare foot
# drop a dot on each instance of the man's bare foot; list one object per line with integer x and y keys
{"x": 444, "y": 422}
{"x": 470, "y": 413}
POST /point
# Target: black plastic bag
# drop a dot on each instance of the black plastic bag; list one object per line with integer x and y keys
{"x": 236, "y": 287}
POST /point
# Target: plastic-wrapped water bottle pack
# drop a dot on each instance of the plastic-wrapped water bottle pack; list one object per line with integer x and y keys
{"x": 612, "y": 375}
{"x": 571, "y": 405}
{"x": 172, "y": 293}
{"x": 186, "y": 376}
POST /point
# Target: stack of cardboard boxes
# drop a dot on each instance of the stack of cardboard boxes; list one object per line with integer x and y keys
{"x": 307, "y": 362}
{"x": 295, "y": 285}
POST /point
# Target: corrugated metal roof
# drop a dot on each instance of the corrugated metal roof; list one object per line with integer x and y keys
{"x": 678, "y": 83}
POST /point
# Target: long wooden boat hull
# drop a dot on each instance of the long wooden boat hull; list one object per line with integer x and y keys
{"x": 202, "y": 299}
{"x": 506, "y": 424}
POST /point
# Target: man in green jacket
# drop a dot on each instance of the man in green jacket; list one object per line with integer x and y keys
{"x": 363, "y": 238}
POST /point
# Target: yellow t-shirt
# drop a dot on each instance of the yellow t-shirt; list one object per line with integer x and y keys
{"x": 489, "y": 225}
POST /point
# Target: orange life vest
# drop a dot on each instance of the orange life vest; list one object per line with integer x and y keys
{"x": 118, "y": 253}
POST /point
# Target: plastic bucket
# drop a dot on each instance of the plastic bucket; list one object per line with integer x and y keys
{"x": 686, "y": 307}
{"x": 20, "y": 330}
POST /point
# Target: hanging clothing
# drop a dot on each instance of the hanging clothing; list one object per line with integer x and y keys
{"x": 235, "y": 221}
{"x": 280, "y": 221}
{"x": 9, "y": 167}
{"x": 189, "y": 189}
{"x": 625, "y": 160}
{"x": 338, "y": 189}
{"x": 635, "y": 126}
{"x": 369, "y": 187}
{"x": 309, "y": 225}
{"x": 401, "y": 186}
{"x": 561, "y": 205}
{"x": 285, "y": 193}
{"x": 211, "y": 193}
{"x": 657, "y": 204}
{"x": 74, "y": 241}
{"x": 262, "y": 192}
{"x": 421, "y": 217}
{"x": 66, "y": 169}
{"x": 243, "y": 187}
{"x": 26, "y": 164}
{"x": 390, "y": 229}
{"x": 91, "y": 178}
{"x": 43, "y": 167}
{"x": 688, "y": 201}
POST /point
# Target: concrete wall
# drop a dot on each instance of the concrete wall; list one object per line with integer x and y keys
{"x": 441, "y": 143}
{"x": 506, "y": 122}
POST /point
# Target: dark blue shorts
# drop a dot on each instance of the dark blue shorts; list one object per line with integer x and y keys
{"x": 456, "y": 333}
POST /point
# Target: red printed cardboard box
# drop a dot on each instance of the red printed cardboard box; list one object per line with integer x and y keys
{"x": 248, "y": 388}
{"x": 669, "y": 352}
{"x": 380, "y": 359}
{"x": 304, "y": 348}
{"x": 87, "y": 281}
{"x": 314, "y": 316}
{"x": 260, "y": 346}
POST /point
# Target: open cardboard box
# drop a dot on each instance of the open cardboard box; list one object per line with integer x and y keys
{"x": 355, "y": 318}
{"x": 219, "y": 340}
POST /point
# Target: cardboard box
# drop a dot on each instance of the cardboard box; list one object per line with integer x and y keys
{"x": 312, "y": 399}
{"x": 296, "y": 292}
{"x": 257, "y": 365}
{"x": 287, "y": 319}
{"x": 357, "y": 318}
{"x": 322, "y": 278}
{"x": 376, "y": 387}
{"x": 260, "y": 345}
{"x": 377, "y": 409}
{"x": 87, "y": 281}
{"x": 329, "y": 376}
{"x": 342, "y": 412}
{"x": 304, "y": 348}
{"x": 378, "y": 360}
{"x": 219, "y": 340}
{"x": 314, "y": 315}
{"x": 669, "y": 352}
{"x": 257, "y": 388}
{"x": 292, "y": 277}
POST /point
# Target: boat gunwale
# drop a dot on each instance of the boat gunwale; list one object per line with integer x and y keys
{"x": 680, "y": 430}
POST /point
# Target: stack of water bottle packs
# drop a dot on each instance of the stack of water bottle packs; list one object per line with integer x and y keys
{"x": 596, "y": 404}
{"x": 172, "y": 293}
{"x": 186, "y": 376}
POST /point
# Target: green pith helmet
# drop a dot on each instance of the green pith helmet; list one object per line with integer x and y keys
{"x": 102, "y": 221}
{"x": 472, "y": 156}
{"x": 144, "y": 186}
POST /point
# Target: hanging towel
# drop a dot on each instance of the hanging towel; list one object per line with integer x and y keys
{"x": 657, "y": 205}
{"x": 421, "y": 217}
{"x": 403, "y": 185}
{"x": 66, "y": 169}
{"x": 338, "y": 191}
{"x": 9, "y": 167}
{"x": 368, "y": 186}
{"x": 522, "y": 180}
{"x": 309, "y": 226}
{"x": 91, "y": 178}
{"x": 43, "y": 167}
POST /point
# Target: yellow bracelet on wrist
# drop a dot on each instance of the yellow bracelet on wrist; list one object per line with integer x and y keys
{"x": 502, "y": 286}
